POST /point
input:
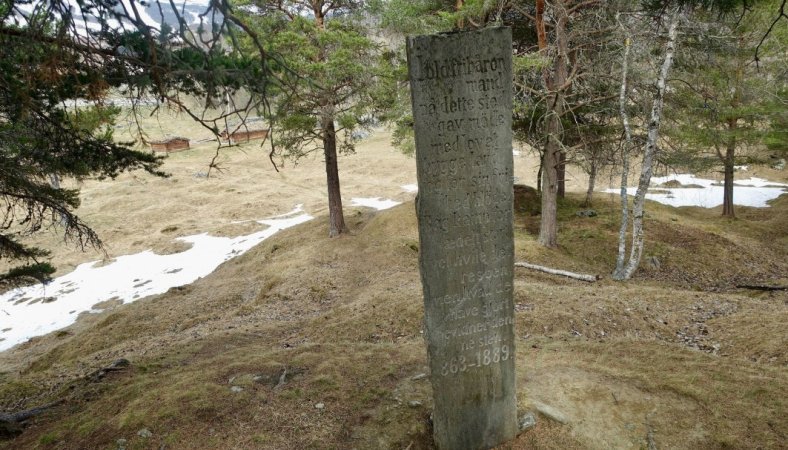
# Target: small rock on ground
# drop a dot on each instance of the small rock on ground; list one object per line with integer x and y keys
{"x": 144, "y": 433}
{"x": 527, "y": 421}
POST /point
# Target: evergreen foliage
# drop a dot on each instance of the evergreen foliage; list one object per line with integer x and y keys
{"x": 723, "y": 103}
{"x": 59, "y": 63}
{"x": 327, "y": 78}
{"x": 337, "y": 81}
{"x": 337, "y": 73}
{"x": 42, "y": 137}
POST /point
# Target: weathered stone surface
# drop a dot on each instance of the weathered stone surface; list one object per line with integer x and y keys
{"x": 461, "y": 94}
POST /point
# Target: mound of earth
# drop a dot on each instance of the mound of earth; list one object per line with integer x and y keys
{"x": 311, "y": 342}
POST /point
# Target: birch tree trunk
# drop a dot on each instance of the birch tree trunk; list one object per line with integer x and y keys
{"x": 651, "y": 151}
{"x": 591, "y": 182}
{"x": 618, "y": 273}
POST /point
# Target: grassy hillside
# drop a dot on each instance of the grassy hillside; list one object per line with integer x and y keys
{"x": 307, "y": 342}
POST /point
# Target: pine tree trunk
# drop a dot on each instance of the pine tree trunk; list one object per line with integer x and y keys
{"x": 548, "y": 229}
{"x": 541, "y": 35}
{"x": 638, "y": 209}
{"x": 730, "y": 150}
{"x": 618, "y": 273}
{"x": 336, "y": 219}
{"x": 727, "y": 198}
{"x": 561, "y": 171}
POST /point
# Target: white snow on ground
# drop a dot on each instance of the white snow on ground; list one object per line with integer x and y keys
{"x": 36, "y": 310}
{"x": 376, "y": 203}
{"x": 410, "y": 187}
{"x": 750, "y": 192}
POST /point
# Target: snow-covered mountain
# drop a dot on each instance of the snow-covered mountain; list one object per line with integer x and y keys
{"x": 190, "y": 10}
{"x": 152, "y": 12}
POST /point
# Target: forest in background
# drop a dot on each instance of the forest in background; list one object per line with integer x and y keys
{"x": 684, "y": 85}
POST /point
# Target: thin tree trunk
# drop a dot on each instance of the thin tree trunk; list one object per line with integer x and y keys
{"x": 638, "y": 209}
{"x": 561, "y": 171}
{"x": 727, "y": 198}
{"x": 542, "y": 40}
{"x": 541, "y": 36}
{"x": 336, "y": 219}
{"x": 730, "y": 150}
{"x": 618, "y": 273}
{"x": 54, "y": 181}
{"x": 591, "y": 182}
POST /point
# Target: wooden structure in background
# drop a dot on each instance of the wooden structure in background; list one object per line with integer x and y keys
{"x": 245, "y": 135}
{"x": 174, "y": 144}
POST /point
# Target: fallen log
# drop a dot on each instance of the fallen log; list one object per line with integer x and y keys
{"x": 563, "y": 273}
{"x": 11, "y": 423}
{"x": 760, "y": 287}
{"x": 117, "y": 365}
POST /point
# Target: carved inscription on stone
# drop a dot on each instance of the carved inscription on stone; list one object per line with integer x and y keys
{"x": 461, "y": 95}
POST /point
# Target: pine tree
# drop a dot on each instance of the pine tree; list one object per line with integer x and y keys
{"x": 41, "y": 139}
{"x": 332, "y": 84}
{"x": 58, "y": 55}
{"x": 725, "y": 103}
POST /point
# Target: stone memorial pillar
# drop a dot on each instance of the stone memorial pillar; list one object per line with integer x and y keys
{"x": 462, "y": 108}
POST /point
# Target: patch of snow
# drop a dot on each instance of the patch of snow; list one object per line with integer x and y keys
{"x": 204, "y": 3}
{"x": 299, "y": 208}
{"x": 376, "y": 203}
{"x": 754, "y": 192}
{"x": 741, "y": 168}
{"x": 410, "y": 187}
{"x": 195, "y": 16}
{"x": 143, "y": 14}
{"x": 36, "y": 310}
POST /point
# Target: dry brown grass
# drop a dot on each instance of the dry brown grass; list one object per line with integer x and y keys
{"x": 343, "y": 316}
{"x": 137, "y": 212}
{"x": 686, "y": 362}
